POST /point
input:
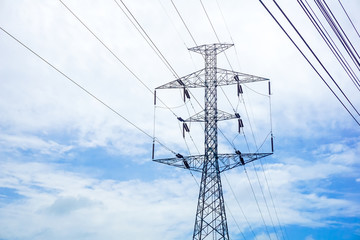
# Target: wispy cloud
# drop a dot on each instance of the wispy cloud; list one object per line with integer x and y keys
{"x": 57, "y": 199}
{"x": 10, "y": 143}
{"x": 45, "y": 117}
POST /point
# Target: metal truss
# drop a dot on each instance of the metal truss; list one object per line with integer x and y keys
{"x": 224, "y": 77}
{"x": 226, "y": 161}
{"x": 221, "y": 116}
{"x": 210, "y": 221}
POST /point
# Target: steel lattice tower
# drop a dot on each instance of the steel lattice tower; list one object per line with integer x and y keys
{"x": 210, "y": 222}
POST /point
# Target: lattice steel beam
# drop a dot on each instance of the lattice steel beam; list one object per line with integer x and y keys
{"x": 210, "y": 221}
{"x": 226, "y": 161}
{"x": 224, "y": 77}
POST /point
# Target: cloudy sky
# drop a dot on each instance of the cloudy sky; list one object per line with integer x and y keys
{"x": 70, "y": 168}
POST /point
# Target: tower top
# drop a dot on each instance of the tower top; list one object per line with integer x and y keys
{"x": 214, "y": 47}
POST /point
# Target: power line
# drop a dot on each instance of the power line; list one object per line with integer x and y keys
{"x": 312, "y": 66}
{"x": 339, "y": 32}
{"x": 146, "y": 37}
{"x": 238, "y": 203}
{"x": 86, "y": 91}
{"x": 349, "y": 18}
{"x": 212, "y": 26}
{"x": 192, "y": 37}
{"x": 151, "y": 43}
{"x": 316, "y": 57}
{"x": 272, "y": 200}
{"x": 157, "y": 51}
{"x": 330, "y": 43}
{"x": 257, "y": 203}
{"x": 266, "y": 204}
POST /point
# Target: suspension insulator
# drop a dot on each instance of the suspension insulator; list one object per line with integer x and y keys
{"x": 240, "y": 124}
{"x": 272, "y": 143}
{"x": 155, "y": 97}
{"x": 186, "y": 164}
{"x": 242, "y": 160}
{"x": 186, "y": 94}
{"x": 237, "y": 115}
{"x": 180, "y": 119}
{"x": 269, "y": 88}
{"x": 153, "y": 151}
{"x": 239, "y": 89}
{"x": 180, "y": 82}
{"x": 178, "y": 155}
{"x": 185, "y": 128}
{"x": 236, "y": 77}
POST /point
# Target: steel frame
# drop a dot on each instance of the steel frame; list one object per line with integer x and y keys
{"x": 210, "y": 221}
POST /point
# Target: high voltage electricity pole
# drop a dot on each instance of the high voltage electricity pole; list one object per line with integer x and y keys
{"x": 210, "y": 222}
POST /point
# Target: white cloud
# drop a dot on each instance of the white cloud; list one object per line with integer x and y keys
{"x": 310, "y": 237}
{"x": 39, "y": 107}
{"x": 54, "y": 200}
{"x": 32, "y": 143}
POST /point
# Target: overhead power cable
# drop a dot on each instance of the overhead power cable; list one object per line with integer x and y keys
{"x": 339, "y": 32}
{"x": 349, "y": 18}
{"x": 329, "y": 42}
{"x": 144, "y": 34}
{"x": 86, "y": 91}
{"x": 212, "y": 26}
{"x": 257, "y": 203}
{"x": 131, "y": 17}
{"x": 118, "y": 59}
{"x": 239, "y": 205}
{"x": 177, "y": 11}
{"x": 156, "y": 50}
{"x": 316, "y": 57}
{"x": 312, "y": 66}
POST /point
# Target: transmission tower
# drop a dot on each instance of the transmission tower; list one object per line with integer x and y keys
{"x": 210, "y": 221}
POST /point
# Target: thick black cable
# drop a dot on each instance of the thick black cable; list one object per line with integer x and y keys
{"x": 337, "y": 32}
{"x": 342, "y": 30}
{"x": 329, "y": 42}
{"x": 85, "y": 90}
{"x": 335, "y": 46}
{"x": 313, "y": 53}
{"x": 313, "y": 67}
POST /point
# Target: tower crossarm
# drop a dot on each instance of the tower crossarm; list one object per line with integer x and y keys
{"x": 193, "y": 80}
{"x": 226, "y": 161}
{"x": 221, "y": 116}
{"x": 227, "y": 77}
{"x": 224, "y": 77}
{"x": 216, "y": 48}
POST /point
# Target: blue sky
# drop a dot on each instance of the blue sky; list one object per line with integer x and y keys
{"x": 72, "y": 169}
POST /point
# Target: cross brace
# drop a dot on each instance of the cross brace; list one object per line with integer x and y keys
{"x": 224, "y": 77}
{"x": 226, "y": 161}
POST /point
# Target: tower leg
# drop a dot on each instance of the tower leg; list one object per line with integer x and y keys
{"x": 210, "y": 222}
